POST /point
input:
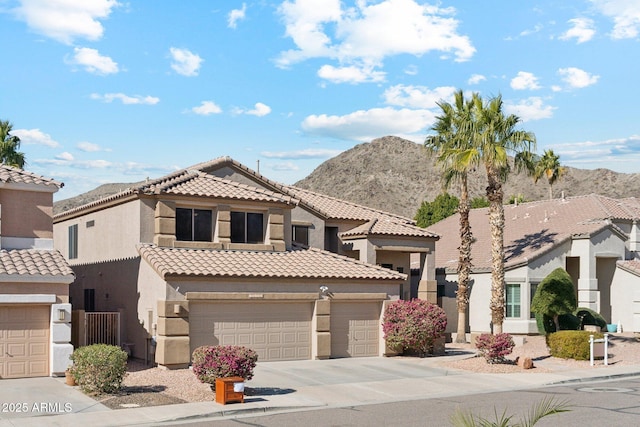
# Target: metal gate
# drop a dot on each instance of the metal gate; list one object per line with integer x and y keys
{"x": 102, "y": 328}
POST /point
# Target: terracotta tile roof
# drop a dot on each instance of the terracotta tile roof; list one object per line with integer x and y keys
{"x": 533, "y": 228}
{"x": 377, "y": 222}
{"x": 33, "y": 262}
{"x": 295, "y": 264}
{"x": 632, "y": 266}
{"x": 10, "y": 174}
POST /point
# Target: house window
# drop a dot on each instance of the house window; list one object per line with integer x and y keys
{"x": 194, "y": 225}
{"x": 73, "y": 241}
{"x": 533, "y": 288}
{"x": 301, "y": 234}
{"x": 331, "y": 239}
{"x": 513, "y": 300}
{"x": 247, "y": 227}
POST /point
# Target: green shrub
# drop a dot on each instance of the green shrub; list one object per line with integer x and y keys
{"x": 494, "y": 348}
{"x": 554, "y": 296}
{"x": 99, "y": 368}
{"x": 413, "y": 325}
{"x": 590, "y": 317}
{"x": 223, "y": 361}
{"x": 571, "y": 344}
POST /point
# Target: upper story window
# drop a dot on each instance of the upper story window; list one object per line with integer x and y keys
{"x": 301, "y": 234}
{"x": 73, "y": 241}
{"x": 247, "y": 227}
{"x": 194, "y": 225}
{"x": 331, "y": 241}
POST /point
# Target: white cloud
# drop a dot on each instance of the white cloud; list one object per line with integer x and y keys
{"x": 207, "y": 108}
{"x": 259, "y": 110}
{"x": 582, "y": 30}
{"x": 536, "y": 29}
{"x": 35, "y": 137}
{"x": 475, "y": 79}
{"x": 93, "y": 62}
{"x": 577, "y": 78}
{"x": 625, "y": 15}
{"x": 525, "y": 80}
{"x": 417, "y": 96}
{"x": 365, "y": 125}
{"x": 367, "y": 33}
{"x": 308, "y": 153}
{"x": 288, "y": 166}
{"x": 350, "y": 74}
{"x": 66, "y": 20}
{"x": 625, "y": 152}
{"x": 532, "y": 108}
{"x": 65, "y": 156}
{"x": 185, "y": 62}
{"x": 126, "y": 99}
{"x": 236, "y": 15}
{"x": 89, "y": 147}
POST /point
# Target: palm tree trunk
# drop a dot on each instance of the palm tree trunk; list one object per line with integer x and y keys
{"x": 550, "y": 192}
{"x": 495, "y": 196}
{"x": 464, "y": 262}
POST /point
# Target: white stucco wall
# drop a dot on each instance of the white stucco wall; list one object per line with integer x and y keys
{"x": 624, "y": 290}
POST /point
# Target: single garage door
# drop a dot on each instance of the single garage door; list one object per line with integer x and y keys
{"x": 276, "y": 331}
{"x": 24, "y": 341}
{"x": 355, "y": 329}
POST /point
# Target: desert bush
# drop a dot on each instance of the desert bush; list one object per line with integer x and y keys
{"x": 222, "y": 361}
{"x": 413, "y": 325}
{"x": 571, "y": 344}
{"x": 494, "y": 348}
{"x": 590, "y": 317}
{"x": 99, "y": 368}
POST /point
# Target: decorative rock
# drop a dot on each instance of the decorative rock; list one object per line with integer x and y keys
{"x": 525, "y": 362}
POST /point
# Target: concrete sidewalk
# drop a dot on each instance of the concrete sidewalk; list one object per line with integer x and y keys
{"x": 286, "y": 386}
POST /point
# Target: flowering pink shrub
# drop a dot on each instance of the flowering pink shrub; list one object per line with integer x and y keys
{"x": 222, "y": 361}
{"x": 413, "y": 325}
{"x": 494, "y": 347}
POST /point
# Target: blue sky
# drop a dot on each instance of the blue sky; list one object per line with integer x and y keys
{"x": 113, "y": 91}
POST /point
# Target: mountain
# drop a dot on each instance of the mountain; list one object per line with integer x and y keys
{"x": 397, "y": 175}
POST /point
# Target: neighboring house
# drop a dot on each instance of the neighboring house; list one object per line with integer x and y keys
{"x": 596, "y": 239}
{"x": 218, "y": 254}
{"x": 35, "y": 313}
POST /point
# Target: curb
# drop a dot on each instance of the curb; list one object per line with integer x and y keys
{"x": 598, "y": 378}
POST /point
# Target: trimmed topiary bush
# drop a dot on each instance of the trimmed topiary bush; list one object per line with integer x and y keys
{"x": 554, "y": 296}
{"x": 494, "y": 348}
{"x": 223, "y": 361}
{"x": 571, "y": 344}
{"x": 99, "y": 368}
{"x": 590, "y": 317}
{"x": 413, "y": 325}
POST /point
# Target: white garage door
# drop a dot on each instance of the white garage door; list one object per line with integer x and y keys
{"x": 276, "y": 331}
{"x": 355, "y": 329}
{"x": 24, "y": 341}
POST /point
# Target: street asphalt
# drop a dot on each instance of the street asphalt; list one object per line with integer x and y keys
{"x": 287, "y": 386}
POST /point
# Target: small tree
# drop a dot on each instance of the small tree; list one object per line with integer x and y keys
{"x": 443, "y": 206}
{"x": 554, "y": 296}
{"x": 413, "y": 325}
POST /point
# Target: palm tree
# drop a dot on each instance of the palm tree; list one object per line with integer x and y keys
{"x": 9, "y": 145}
{"x": 496, "y": 139}
{"x": 454, "y": 130}
{"x": 548, "y": 166}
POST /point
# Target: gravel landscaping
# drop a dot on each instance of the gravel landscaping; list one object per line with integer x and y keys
{"x": 156, "y": 386}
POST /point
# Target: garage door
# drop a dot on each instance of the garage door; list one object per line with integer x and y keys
{"x": 355, "y": 329}
{"x": 276, "y": 331}
{"x": 24, "y": 341}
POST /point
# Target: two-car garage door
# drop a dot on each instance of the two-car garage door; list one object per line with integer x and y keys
{"x": 24, "y": 341}
{"x": 275, "y": 330}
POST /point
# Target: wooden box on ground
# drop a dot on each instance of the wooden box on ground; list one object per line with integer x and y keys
{"x": 229, "y": 389}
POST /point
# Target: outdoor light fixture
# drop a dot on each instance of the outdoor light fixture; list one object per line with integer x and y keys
{"x": 61, "y": 314}
{"x": 176, "y": 308}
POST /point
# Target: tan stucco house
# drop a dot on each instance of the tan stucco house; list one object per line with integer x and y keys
{"x": 218, "y": 254}
{"x": 35, "y": 313}
{"x": 596, "y": 239}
